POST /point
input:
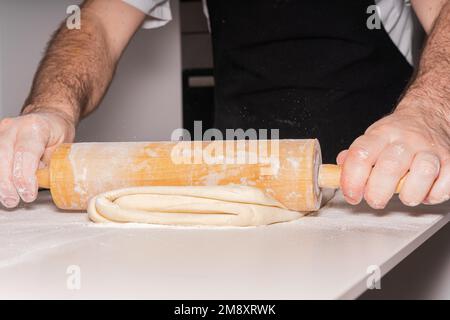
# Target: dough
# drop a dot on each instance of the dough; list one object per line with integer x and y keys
{"x": 190, "y": 205}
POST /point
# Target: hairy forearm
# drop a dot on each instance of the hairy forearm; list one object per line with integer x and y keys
{"x": 430, "y": 90}
{"x": 75, "y": 71}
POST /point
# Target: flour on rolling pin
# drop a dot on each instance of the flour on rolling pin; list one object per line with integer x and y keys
{"x": 78, "y": 172}
{"x": 86, "y": 172}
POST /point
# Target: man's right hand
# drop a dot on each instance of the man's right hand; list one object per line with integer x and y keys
{"x": 26, "y": 143}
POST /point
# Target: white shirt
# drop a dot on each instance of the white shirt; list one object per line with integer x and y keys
{"x": 397, "y": 17}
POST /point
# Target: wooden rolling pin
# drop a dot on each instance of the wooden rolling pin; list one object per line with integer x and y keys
{"x": 291, "y": 171}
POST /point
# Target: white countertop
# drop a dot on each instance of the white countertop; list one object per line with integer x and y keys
{"x": 321, "y": 256}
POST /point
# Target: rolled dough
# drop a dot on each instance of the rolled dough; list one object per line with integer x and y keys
{"x": 190, "y": 205}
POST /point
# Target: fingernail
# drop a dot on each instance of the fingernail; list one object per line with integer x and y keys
{"x": 412, "y": 204}
{"x": 10, "y": 202}
{"x": 352, "y": 198}
{"x": 27, "y": 196}
{"x": 436, "y": 201}
{"x": 377, "y": 205}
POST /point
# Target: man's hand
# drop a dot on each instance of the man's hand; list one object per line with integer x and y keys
{"x": 413, "y": 140}
{"x": 72, "y": 77}
{"x": 26, "y": 143}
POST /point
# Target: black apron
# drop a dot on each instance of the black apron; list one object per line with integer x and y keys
{"x": 310, "y": 68}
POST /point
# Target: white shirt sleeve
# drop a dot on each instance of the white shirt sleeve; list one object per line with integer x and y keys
{"x": 402, "y": 26}
{"x": 158, "y": 12}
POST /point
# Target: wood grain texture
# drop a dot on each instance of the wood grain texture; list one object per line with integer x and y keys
{"x": 287, "y": 172}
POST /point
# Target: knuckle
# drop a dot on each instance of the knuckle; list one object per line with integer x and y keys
{"x": 428, "y": 166}
{"x": 32, "y": 121}
{"x": 341, "y": 155}
{"x": 380, "y": 129}
{"x": 389, "y": 166}
{"x": 5, "y": 122}
{"x": 31, "y": 117}
{"x": 18, "y": 178}
{"x": 427, "y": 169}
{"x": 376, "y": 130}
{"x": 361, "y": 141}
{"x": 28, "y": 121}
{"x": 398, "y": 148}
{"x": 351, "y": 183}
{"x": 358, "y": 152}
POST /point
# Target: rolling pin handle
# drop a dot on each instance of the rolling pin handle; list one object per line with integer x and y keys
{"x": 330, "y": 177}
{"x": 43, "y": 178}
